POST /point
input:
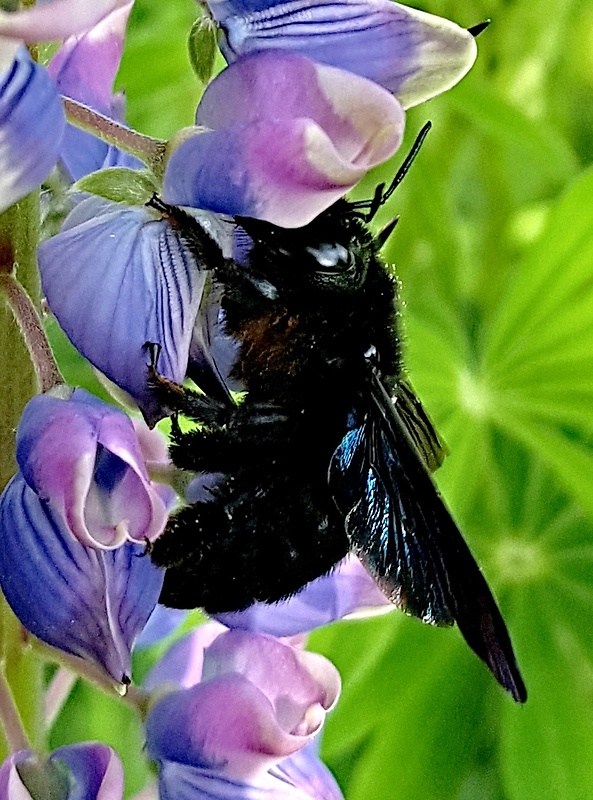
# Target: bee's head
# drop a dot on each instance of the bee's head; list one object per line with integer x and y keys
{"x": 330, "y": 254}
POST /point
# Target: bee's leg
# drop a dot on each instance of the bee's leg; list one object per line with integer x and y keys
{"x": 199, "y": 242}
{"x": 203, "y": 450}
{"x": 177, "y": 399}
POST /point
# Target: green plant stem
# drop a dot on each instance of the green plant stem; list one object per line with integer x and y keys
{"x": 150, "y": 151}
{"x": 44, "y": 364}
{"x": 19, "y": 236}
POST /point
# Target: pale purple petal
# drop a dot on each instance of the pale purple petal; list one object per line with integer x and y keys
{"x": 162, "y": 622}
{"x": 306, "y": 771}
{"x": 82, "y": 456}
{"x": 347, "y": 591}
{"x": 294, "y": 681}
{"x": 282, "y": 150}
{"x": 32, "y": 124}
{"x": 411, "y": 53}
{"x": 182, "y": 782}
{"x": 11, "y": 785}
{"x": 128, "y": 279}
{"x": 84, "y": 68}
{"x": 96, "y": 771}
{"x": 182, "y": 663}
{"x": 56, "y": 20}
{"x": 212, "y": 353}
{"x": 259, "y": 701}
{"x": 90, "y": 603}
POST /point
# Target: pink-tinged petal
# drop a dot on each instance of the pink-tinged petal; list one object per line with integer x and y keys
{"x": 285, "y": 149}
{"x": 56, "y": 20}
{"x": 413, "y": 54}
{"x": 346, "y": 592}
{"x": 227, "y": 724}
{"x": 11, "y": 785}
{"x": 82, "y": 457}
{"x": 182, "y": 663}
{"x": 259, "y": 701}
{"x": 90, "y": 603}
{"x": 84, "y": 68}
{"x": 32, "y": 124}
{"x": 292, "y": 680}
{"x": 128, "y": 279}
{"x": 258, "y": 704}
{"x": 96, "y": 771}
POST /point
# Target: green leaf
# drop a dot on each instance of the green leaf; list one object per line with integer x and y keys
{"x": 538, "y": 358}
{"x": 493, "y": 114}
{"x": 203, "y": 45}
{"x": 413, "y": 696}
{"x": 119, "y": 184}
{"x": 548, "y": 747}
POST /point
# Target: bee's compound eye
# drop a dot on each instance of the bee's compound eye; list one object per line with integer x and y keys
{"x": 330, "y": 256}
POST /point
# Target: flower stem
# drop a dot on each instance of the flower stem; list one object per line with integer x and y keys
{"x": 19, "y": 237}
{"x": 57, "y": 693}
{"x": 11, "y": 721}
{"x": 46, "y": 369}
{"x": 150, "y": 151}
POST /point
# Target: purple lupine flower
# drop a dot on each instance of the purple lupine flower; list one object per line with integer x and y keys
{"x": 56, "y": 19}
{"x": 32, "y": 120}
{"x": 128, "y": 279}
{"x": 93, "y": 772}
{"x": 288, "y": 138}
{"x": 32, "y": 123}
{"x": 81, "y": 456}
{"x": 87, "y": 602}
{"x": 258, "y": 702}
{"x": 84, "y": 68}
{"x": 411, "y": 53}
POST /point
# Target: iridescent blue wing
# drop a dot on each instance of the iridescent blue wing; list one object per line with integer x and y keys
{"x": 401, "y": 530}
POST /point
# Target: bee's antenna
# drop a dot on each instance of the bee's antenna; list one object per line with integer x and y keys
{"x": 382, "y": 195}
{"x": 403, "y": 170}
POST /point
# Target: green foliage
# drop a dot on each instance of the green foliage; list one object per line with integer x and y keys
{"x": 119, "y": 184}
{"x": 495, "y": 253}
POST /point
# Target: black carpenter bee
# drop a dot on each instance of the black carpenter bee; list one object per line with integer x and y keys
{"x": 329, "y": 452}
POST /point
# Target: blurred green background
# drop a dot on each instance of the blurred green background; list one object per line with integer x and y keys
{"x": 495, "y": 253}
